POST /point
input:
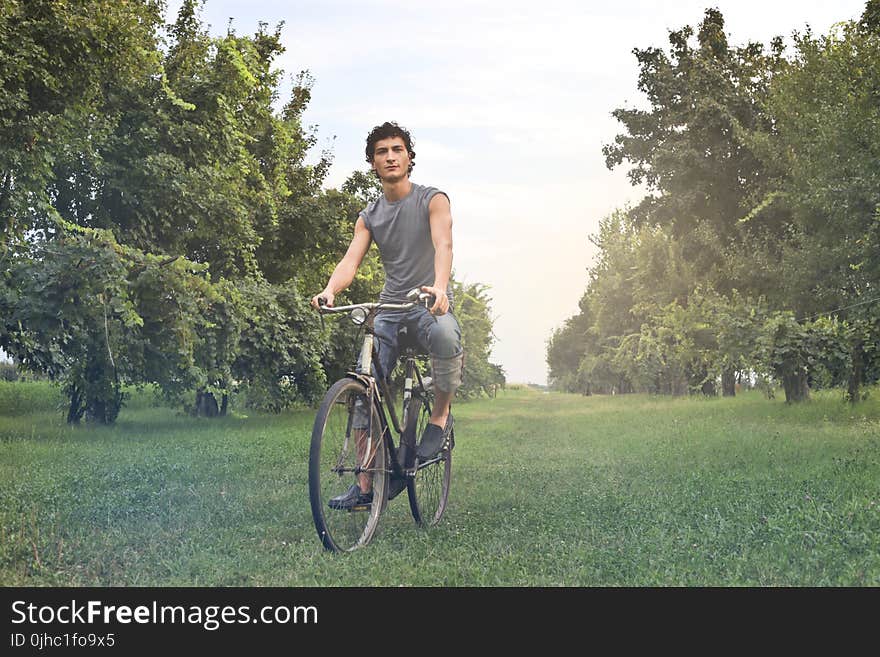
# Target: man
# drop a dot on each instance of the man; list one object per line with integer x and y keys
{"x": 412, "y": 226}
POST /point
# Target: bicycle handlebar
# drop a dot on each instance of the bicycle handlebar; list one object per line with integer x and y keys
{"x": 367, "y": 306}
{"x": 416, "y": 295}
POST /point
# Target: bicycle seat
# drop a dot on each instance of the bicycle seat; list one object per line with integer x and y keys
{"x": 409, "y": 345}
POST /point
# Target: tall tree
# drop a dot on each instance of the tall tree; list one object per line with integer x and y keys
{"x": 474, "y": 312}
{"x": 175, "y": 152}
{"x": 160, "y": 220}
{"x": 57, "y": 60}
{"x": 828, "y": 117}
{"x": 694, "y": 147}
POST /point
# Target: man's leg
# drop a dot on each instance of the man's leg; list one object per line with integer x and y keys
{"x": 442, "y": 402}
{"x": 385, "y": 332}
{"x": 443, "y": 338}
{"x": 365, "y": 479}
{"x": 359, "y": 493}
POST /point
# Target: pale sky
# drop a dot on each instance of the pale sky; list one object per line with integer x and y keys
{"x": 509, "y": 103}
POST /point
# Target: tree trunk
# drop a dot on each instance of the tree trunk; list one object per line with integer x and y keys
{"x": 98, "y": 396}
{"x": 104, "y": 411}
{"x": 75, "y": 409}
{"x": 856, "y": 372}
{"x": 707, "y": 383}
{"x": 728, "y": 383}
{"x": 224, "y": 404}
{"x": 679, "y": 385}
{"x": 97, "y": 411}
{"x": 795, "y": 385}
{"x": 206, "y": 404}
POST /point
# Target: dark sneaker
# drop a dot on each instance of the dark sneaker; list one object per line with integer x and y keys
{"x": 432, "y": 440}
{"x": 351, "y": 500}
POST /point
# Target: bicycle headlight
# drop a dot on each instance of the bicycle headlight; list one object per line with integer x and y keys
{"x": 358, "y": 316}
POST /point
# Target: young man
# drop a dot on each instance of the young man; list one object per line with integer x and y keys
{"x": 412, "y": 226}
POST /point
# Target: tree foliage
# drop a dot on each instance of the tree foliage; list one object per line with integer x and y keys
{"x": 58, "y": 61}
{"x": 695, "y": 147}
{"x": 755, "y": 252}
{"x": 96, "y": 315}
{"x": 474, "y": 314}
{"x": 160, "y": 220}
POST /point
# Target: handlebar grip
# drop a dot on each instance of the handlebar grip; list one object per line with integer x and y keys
{"x": 425, "y": 298}
{"x": 322, "y": 301}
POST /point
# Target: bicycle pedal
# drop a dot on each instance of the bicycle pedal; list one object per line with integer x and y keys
{"x": 360, "y": 507}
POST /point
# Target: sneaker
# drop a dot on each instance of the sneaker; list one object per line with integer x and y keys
{"x": 352, "y": 499}
{"x": 432, "y": 440}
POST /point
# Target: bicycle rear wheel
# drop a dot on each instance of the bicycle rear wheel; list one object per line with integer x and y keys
{"x": 347, "y": 441}
{"x": 428, "y": 488}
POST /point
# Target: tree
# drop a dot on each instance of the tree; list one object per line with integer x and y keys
{"x": 473, "y": 310}
{"x": 695, "y": 147}
{"x": 735, "y": 322}
{"x": 797, "y": 352}
{"x": 827, "y": 114}
{"x": 172, "y": 155}
{"x": 57, "y": 59}
{"x": 95, "y": 315}
{"x": 160, "y": 221}
{"x": 565, "y": 352}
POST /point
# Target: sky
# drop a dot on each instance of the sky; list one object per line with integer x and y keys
{"x": 509, "y": 103}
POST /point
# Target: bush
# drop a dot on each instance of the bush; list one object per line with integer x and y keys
{"x": 24, "y": 397}
{"x": 8, "y": 371}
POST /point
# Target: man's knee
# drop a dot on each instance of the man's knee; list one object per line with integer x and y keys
{"x": 447, "y": 372}
{"x": 445, "y": 338}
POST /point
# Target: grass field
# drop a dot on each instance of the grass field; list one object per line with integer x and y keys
{"x": 548, "y": 490}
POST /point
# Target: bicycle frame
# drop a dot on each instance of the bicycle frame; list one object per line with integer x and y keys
{"x": 379, "y": 394}
{"x": 383, "y": 400}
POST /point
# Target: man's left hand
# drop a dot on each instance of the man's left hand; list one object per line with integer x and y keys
{"x": 441, "y": 303}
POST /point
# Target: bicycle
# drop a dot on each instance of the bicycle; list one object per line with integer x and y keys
{"x": 352, "y": 436}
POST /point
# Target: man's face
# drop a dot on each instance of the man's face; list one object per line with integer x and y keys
{"x": 391, "y": 159}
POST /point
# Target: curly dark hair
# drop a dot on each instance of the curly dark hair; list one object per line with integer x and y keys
{"x": 386, "y": 131}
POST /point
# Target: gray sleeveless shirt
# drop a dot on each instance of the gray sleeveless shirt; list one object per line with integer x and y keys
{"x": 402, "y": 231}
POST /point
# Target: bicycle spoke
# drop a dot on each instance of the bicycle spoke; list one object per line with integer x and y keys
{"x": 344, "y": 452}
{"x": 429, "y": 484}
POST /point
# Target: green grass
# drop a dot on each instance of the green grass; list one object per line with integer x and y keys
{"x": 548, "y": 490}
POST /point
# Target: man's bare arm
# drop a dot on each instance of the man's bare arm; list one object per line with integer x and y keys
{"x": 345, "y": 271}
{"x": 440, "y": 217}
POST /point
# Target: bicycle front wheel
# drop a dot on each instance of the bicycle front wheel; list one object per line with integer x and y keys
{"x": 428, "y": 487}
{"x": 348, "y": 449}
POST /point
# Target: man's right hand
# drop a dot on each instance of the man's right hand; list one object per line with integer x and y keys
{"x": 327, "y": 296}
